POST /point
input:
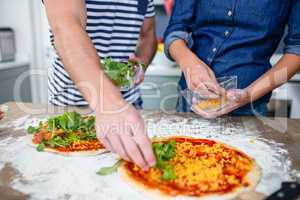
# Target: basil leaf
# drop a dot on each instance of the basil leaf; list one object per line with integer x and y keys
{"x": 109, "y": 170}
{"x": 51, "y": 125}
{"x": 163, "y": 153}
{"x": 168, "y": 174}
{"x": 31, "y": 130}
{"x": 40, "y": 147}
{"x": 90, "y": 123}
{"x": 120, "y": 73}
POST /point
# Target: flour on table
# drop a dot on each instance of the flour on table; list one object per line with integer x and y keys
{"x": 22, "y": 122}
{"x": 51, "y": 176}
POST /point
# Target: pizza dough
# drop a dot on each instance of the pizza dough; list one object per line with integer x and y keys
{"x": 75, "y": 153}
{"x": 252, "y": 177}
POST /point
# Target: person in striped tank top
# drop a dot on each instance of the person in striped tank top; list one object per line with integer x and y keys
{"x": 83, "y": 32}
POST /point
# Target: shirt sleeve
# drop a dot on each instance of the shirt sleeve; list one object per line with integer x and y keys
{"x": 292, "y": 40}
{"x": 150, "y": 9}
{"x": 180, "y": 25}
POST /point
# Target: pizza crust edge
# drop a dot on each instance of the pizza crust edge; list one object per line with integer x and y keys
{"x": 253, "y": 177}
{"x": 77, "y": 153}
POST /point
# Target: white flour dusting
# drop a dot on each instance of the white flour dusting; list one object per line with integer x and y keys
{"x": 50, "y": 176}
{"x": 19, "y": 123}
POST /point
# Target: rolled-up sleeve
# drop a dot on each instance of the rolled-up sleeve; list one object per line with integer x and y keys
{"x": 150, "y": 9}
{"x": 180, "y": 25}
{"x": 292, "y": 40}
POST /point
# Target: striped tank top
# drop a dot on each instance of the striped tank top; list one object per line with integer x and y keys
{"x": 114, "y": 28}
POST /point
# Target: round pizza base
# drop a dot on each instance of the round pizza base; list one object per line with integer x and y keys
{"x": 76, "y": 153}
{"x": 253, "y": 177}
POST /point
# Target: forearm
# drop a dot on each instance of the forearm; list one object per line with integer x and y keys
{"x": 148, "y": 43}
{"x": 179, "y": 51}
{"x": 147, "y": 49}
{"x": 81, "y": 61}
{"x": 284, "y": 70}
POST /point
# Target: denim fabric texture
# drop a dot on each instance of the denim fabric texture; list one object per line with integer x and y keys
{"x": 235, "y": 38}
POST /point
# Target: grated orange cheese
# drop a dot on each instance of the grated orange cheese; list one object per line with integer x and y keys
{"x": 210, "y": 104}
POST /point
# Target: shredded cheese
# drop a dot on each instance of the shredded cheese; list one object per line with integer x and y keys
{"x": 211, "y": 104}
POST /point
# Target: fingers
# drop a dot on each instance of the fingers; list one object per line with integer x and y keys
{"x": 106, "y": 144}
{"x": 133, "y": 151}
{"x": 134, "y": 59}
{"x": 144, "y": 143}
{"x": 237, "y": 95}
{"x": 139, "y": 76}
{"x": 117, "y": 146}
{"x": 206, "y": 86}
{"x": 203, "y": 90}
{"x": 215, "y": 88}
{"x": 125, "y": 135}
{"x": 139, "y": 80}
{"x": 204, "y": 114}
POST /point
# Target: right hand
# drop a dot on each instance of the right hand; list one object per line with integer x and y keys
{"x": 123, "y": 132}
{"x": 200, "y": 78}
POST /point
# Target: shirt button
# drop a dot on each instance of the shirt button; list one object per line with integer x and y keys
{"x": 214, "y": 50}
{"x": 230, "y": 13}
{"x": 226, "y": 33}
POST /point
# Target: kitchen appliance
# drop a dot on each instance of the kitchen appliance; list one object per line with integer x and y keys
{"x": 7, "y": 44}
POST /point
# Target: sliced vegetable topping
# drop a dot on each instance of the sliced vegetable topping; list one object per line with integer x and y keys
{"x": 64, "y": 131}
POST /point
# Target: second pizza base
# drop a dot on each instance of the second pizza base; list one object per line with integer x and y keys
{"x": 75, "y": 153}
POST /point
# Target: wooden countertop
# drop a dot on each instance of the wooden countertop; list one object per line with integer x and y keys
{"x": 290, "y": 135}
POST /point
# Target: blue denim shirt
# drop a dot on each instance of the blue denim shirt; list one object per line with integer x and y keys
{"x": 235, "y": 37}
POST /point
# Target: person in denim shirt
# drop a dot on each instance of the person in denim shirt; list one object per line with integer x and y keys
{"x": 214, "y": 38}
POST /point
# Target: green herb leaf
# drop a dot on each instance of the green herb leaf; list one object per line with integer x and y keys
{"x": 90, "y": 124}
{"x": 121, "y": 74}
{"x": 109, "y": 170}
{"x": 51, "y": 125}
{"x": 40, "y": 147}
{"x": 32, "y": 130}
{"x": 163, "y": 153}
{"x": 168, "y": 174}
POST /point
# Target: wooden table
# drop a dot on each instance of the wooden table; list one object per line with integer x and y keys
{"x": 290, "y": 137}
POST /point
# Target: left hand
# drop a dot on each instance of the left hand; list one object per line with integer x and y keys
{"x": 140, "y": 74}
{"x": 236, "y": 97}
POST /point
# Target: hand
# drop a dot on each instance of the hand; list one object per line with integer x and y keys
{"x": 200, "y": 78}
{"x": 123, "y": 132}
{"x": 140, "y": 74}
{"x": 236, "y": 99}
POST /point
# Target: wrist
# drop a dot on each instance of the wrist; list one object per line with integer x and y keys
{"x": 111, "y": 106}
{"x": 190, "y": 62}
